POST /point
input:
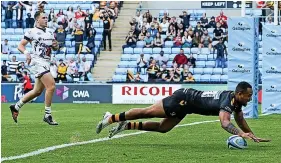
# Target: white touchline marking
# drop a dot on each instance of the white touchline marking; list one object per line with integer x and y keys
{"x": 48, "y": 149}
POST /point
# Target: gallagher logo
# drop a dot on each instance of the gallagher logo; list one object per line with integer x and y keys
{"x": 272, "y": 107}
{"x": 273, "y": 33}
{"x": 273, "y": 70}
{"x": 273, "y": 88}
{"x": 62, "y": 92}
{"x": 240, "y": 48}
{"x": 241, "y": 26}
{"x": 273, "y": 52}
{"x": 241, "y": 69}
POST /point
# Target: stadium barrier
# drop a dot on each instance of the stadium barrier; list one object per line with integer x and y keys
{"x": 271, "y": 84}
{"x": 64, "y": 93}
{"x": 243, "y": 58}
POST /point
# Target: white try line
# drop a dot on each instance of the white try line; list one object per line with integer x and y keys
{"x": 48, "y": 149}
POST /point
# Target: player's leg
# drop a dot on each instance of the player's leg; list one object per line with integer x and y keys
{"x": 164, "y": 126}
{"x": 38, "y": 89}
{"x": 154, "y": 111}
{"x": 49, "y": 83}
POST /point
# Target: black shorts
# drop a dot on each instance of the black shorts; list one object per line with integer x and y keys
{"x": 177, "y": 105}
{"x": 26, "y": 91}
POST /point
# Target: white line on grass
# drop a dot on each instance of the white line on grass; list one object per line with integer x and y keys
{"x": 48, "y": 149}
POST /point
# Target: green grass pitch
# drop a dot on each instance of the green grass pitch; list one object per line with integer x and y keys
{"x": 77, "y": 122}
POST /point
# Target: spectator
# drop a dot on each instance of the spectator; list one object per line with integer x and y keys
{"x": 88, "y": 17}
{"x": 165, "y": 17}
{"x": 60, "y": 15}
{"x": 180, "y": 29}
{"x": 198, "y": 29}
{"x": 218, "y": 33}
{"x": 184, "y": 73}
{"x": 6, "y": 49}
{"x": 72, "y": 67}
{"x": 141, "y": 62}
{"x": 204, "y": 21}
{"x": 19, "y": 15}
{"x": 152, "y": 71}
{"x": 88, "y": 28}
{"x": 148, "y": 41}
{"x": 134, "y": 23}
{"x": 222, "y": 19}
{"x": 143, "y": 31}
{"x": 72, "y": 25}
{"x": 137, "y": 78}
{"x": 30, "y": 11}
{"x": 173, "y": 22}
{"x": 54, "y": 70}
{"x": 141, "y": 37}
{"x": 4, "y": 5}
{"x": 83, "y": 49}
{"x": 196, "y": 40}
{"x": 161, "y": 59}
{"x": 135, "y": 31}
{"x": 148, "y": 16}
{"x": 84, "y": 69}
{"x": 130, "y": 76}
{"x": 51, "y": 15}
{"x": 9, "y": 16}
{"x": 113, "y": 5}
{"x": 225, "y": 36}
{"x": 4, "y": 68}
{"x": 78, "y": 37}
{"x": 60, "y": 36}
{"x": 62, "y": 69}
{"x": 64, "y": 22}
{"x": 186, "y": 40}
{"x": 27, "y": 86}
{"x": 75, "y": 76}
{"x": 269, "y": 20}
{"x": 191, "y": 61}
{"x": 107, "y": 25}
{"x": 172, "y": 77}
{"x": 158, "y": 41}
{"x": 20, "y": 70}
{"x": 171, "y": 33}
{"x": 109, "y": 12}
{"x": 145, "y": 23}
{"x": 139, "y": 18}
{"x": 206, "y": 41}
{"x": 212, "y": 23}
{"x": 153, "y": 31}
{"x": 150, "y": 60}
{"x": 185, "y": 19}
{"x": 130, "y": 41}
{"x": 96, "y": 15}
{"x": 91, "y": 42}
{"x": 53, "y": 24}
{"x": 13, "y": 65}
{"x": 180, "y": 60}
{"x": 80, "y": 16}
{"x": 155, "y": 23}
{"x": 164, "y": 27}
{"x": 162, "y": 73}
{"x": 221, "y": 52}
{"x": 178, "y": 40}
{"x": 189, "y": 78}
{"x": 70, "y": 13}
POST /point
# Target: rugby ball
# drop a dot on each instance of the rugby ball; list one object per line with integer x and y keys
{"x": 236, "y": 142}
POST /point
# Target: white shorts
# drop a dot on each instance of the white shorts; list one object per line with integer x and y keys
{"x": 39, "y": 67}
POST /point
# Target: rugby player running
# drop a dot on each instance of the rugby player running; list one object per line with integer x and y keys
{"x": 188, "y": 101}
{"x": 43, "y": 41}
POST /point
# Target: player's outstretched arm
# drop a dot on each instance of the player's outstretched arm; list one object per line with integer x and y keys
{"x": 227, "y": 125}
{"x": 241, "y": 122}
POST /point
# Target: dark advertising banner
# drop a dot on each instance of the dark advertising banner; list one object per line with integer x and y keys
{"x": 64, "y": 93}
{"x": 224, "y": 4}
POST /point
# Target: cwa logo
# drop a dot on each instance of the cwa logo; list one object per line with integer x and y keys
{"x": 273, "y": 70}
{"x": 63, "y": 92}
{"x": 240, "y": 68}
{"x": 273, "y": 51}
{"x": 241, "y": 26}
{"x": 273, "y": 88}
{"x": 240, "y": 47}
{"x": 273, "y": 33}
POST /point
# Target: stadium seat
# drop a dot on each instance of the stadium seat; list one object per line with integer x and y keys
{"x": 123, "y": 64}
{"x": 198, "y": 71}
{"x": 172, "y": 56}
{"x": 137, "y": 50}
{"x": 71, "y": 50}
{"x": 140, "y": 44}
{"x": 68, "y": 78}
{"x": 156, "y": 50}
{"x": 205, "y": 78}
{"x": 3, "y": 25}
{"x": 170, "y": 64}
{"x": 132, "y": 64}
{"x": 89, "y": 57}
{"x": 126, "y": 57}
{"x": 167, "y": 50}
{"x": 68, "y": 38}
{"x": 208, "y": 70}
{"x": 200, "y": 64}
{"x": 186, "y": 50}
{"x": 4, "y": 57}
{"x": 14, "y": 78}
{"x": 194, "y": 50}
{"x": 147, "y": 50}
{"x": 14, "y": 38}
{"x": 176, "y": 50}
{"x": 18, "y": 31}
{"x": 98, "y": 38}
{"x": 202, "y": 57}
{"x": 60, "y": 56}
{"x": 96, "y": 24}
{"x": 197, "y": 77}
{"x": 97, "y": 44}
{"x": 168, "y": 44}
{"x": 68, "y": 43}
{"x": 215, "y": 78}
{"x": 99, "y": 30}
{"x": 15, "y": 51}
{"x": 128, "y": 50}
{"x": 210, "y": 64}
{"x": 21, "y": 58}
{"x": 211, "y": 57}
{"x": 3, "y": 31}
{"x": 120, "y": 71}
{"x": 217, "y": 71}
{"x": 10, "y": 31}
{"x": 25, "y": 30}
{"x": 133, "y": 57}
{"x": 224, "y": 78}
{"x": 205, "y": 51}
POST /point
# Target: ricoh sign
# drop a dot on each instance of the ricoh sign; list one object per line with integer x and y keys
{"x": 141, "y": 93}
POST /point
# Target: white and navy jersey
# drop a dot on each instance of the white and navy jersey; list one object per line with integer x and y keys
{"x": 41, "y": 42}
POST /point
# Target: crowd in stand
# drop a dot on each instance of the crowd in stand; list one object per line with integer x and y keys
{"x": 155, "y": 31}
{"x": 73, "y": 21}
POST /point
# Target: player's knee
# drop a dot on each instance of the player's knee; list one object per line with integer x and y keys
{"x": 163, "y": 130}
{"x": 38, "y": 92}
{"x": 148, "y": 113}
{"x": 51, "y": 88}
